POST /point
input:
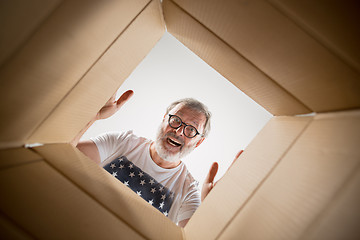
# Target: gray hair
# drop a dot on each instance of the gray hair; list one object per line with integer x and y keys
{"x": 197, "y": 106}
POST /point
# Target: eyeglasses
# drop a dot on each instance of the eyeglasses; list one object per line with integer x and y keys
{"x": 189, "y": 131}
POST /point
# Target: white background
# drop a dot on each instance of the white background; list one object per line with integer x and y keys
{"x": 171, "y": 72}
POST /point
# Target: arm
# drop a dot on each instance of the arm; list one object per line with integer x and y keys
{"x": 183, "y": 223}
{"x": 88, "y": 147}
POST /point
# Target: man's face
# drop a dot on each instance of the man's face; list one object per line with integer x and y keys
{"x": 171, "y": 144}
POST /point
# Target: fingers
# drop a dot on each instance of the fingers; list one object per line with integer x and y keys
{"x": 111, "y": 100}
{"x": 124, "y": 97}
{"x": 209, "y": 181}
{"x": 212, "y": 173}
{"x": 238, "y": 154}
{"x": 236, "y": 157}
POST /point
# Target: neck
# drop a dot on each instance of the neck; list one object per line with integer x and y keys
{"x": 159, "y": 161}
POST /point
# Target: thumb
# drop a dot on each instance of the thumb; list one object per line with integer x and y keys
{"x": 212, "y": 173}
{"x": 124, "y": 97}
{"x": 208, "y": 183}
{"x": 238, "y": 154}
{"x": 236, "y": 157}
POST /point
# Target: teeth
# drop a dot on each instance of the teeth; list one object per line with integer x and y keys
{"x": 174, "y": 143}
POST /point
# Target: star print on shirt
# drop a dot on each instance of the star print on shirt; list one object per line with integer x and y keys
{"x": 142, "y": 184}
{"x": 163, "y": 197}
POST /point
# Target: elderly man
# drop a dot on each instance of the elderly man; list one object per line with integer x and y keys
{"x": 153, "y": 169}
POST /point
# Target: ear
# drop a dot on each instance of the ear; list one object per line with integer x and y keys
{"x": 199, "y": 142}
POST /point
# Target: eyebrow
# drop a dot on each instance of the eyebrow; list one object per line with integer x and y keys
{"x": 193, "y": 123}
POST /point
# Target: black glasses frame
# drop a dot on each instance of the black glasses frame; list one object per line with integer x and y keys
{"x": 185, "y": 125}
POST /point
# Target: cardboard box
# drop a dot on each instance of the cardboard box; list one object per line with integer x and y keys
{"x": 298, "y": 179}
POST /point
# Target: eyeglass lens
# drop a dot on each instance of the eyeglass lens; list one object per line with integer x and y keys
{"x": 176, "y": 122}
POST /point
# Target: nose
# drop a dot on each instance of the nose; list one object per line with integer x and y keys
{"x": 179, "y": 131}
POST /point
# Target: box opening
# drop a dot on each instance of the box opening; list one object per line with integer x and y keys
{"x": 171, "y": 72}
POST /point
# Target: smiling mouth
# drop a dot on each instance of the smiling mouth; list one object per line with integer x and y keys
{"x": 173, "y": 142}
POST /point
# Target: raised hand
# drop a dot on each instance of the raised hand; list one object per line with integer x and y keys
{"x": 113, "y": 105}
{"x": 209, "y": 184}
{"x": 88, "y": 147}
{"x": 209, "y": 181}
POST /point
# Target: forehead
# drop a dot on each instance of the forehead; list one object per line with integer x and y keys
{"x": 189, "y": 115}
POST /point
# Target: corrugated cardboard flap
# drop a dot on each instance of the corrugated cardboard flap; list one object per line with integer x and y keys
{"x": 65, "y": 55}
{"x": 74, "y": 198}
{"x": 109, "y": 192}
{"x": 302, "y": 197}
{"x": 19, "y": 27}
{"x": 103, "y": 78}
{"x": 244, "y": 178}
{"x": 230, "y": 62}
{"x": 268, "y": 54}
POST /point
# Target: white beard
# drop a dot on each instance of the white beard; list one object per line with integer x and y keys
{"x": 164, "y": 153}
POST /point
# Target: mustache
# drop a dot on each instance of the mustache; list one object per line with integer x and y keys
{"x": 173, "y": 135}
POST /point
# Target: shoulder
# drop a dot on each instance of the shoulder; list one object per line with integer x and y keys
{"x": 112, "y": 144}
{"x": 115, "y": 135}
{"x": 190, "y": 182}
{"x": 118, "y": 137}
{"x": 134, "y": 139}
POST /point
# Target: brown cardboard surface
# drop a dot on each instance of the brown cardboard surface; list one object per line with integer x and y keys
{"x": 16, "y": 28}
{"x": 104, "y": 78}
{"x": 17, "y": 156}
{"x": 306, "y": 185}
{"x": 280, "y": 48}
{"x": 339, "y": 221}
{"x": 298, "y": 179}
{"x": 54, "y": 59}
{"x": 9, "y": 230}
{"x": 109, "y": 192}
{"x": 230, "y": 62}
{"x": 244, "y": 178}
{"x": 333, "y": 23}
{"x": 48, "y": 205}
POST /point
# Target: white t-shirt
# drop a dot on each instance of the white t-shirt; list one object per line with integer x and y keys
{"x": 174, "y": 191}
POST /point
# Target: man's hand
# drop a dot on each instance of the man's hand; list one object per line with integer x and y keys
{"x": 209, "y": 180}
{"x": 88, "y": 147}
{"x": 113, "y": 105}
